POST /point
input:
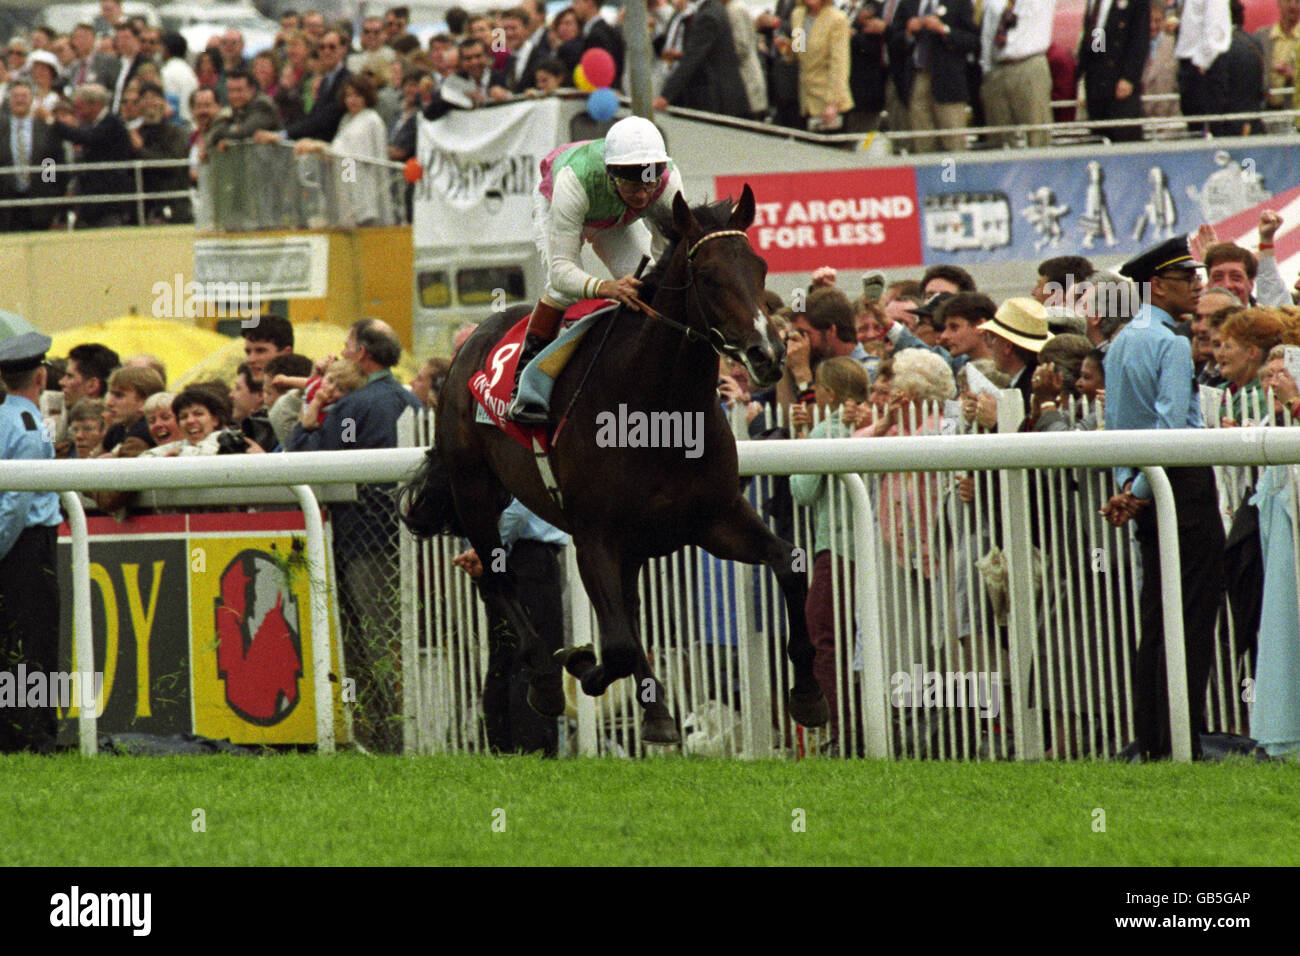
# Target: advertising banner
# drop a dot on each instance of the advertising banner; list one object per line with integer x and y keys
{"x": 201, "y": 624}
{"x": 849, "y": 219}
{"x": 1116, "y": 204}
{"x": 287, "y": 267}
{"x": 481, "y": 168}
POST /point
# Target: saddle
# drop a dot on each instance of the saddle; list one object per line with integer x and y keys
{"x": 491, "y": 385}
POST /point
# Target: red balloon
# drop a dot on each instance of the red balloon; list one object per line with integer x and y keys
{"x": 598, "y": 66}
{"x": 413, "y": 171}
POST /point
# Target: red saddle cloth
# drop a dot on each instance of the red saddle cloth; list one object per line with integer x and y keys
{"x": 491, "y": 385}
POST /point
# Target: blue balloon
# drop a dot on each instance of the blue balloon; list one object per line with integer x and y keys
{"x": 602, "y": 104}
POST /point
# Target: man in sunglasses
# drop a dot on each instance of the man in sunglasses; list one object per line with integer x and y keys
{"x": 328, "y": 110}
{"x": 604, "y": 191}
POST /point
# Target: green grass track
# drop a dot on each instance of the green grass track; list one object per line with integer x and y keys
{"x": 466, "y": 810}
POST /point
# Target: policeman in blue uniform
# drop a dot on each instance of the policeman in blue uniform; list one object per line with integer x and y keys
{"x": 29, "y": 592}
{"x": 1149, "y": 384}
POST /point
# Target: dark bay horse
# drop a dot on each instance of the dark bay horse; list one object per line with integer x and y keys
{"x": 625, "y": 505}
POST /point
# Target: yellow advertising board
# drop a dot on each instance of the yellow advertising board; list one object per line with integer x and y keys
{"x": 203, "y": 624}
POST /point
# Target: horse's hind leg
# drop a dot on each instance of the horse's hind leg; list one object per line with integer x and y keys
{"x": 478, "y": 496}
{"x": 739, "y": 534}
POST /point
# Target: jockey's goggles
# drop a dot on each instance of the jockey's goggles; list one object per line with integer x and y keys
{"x": 638, "y": 173}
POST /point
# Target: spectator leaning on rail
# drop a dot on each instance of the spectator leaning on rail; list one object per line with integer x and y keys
{"x": 25, "y": 141}
{"x": 101, "y": 134}
{"x": 159, "y": 138}
{"x": 247, "y": 113}
{"x": 839, "y": 380}
{"x": 327, "y": 110}
{"x": 202, "y": 415}
{"x": 128, "y": 433}
{"x": 365, "y": 533}
{"x": 1149, "y": 385}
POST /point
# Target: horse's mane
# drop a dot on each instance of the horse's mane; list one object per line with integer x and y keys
{"x": 711, "y": 215}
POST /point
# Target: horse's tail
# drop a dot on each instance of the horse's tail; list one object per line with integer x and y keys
{"x": 426, "y": 504}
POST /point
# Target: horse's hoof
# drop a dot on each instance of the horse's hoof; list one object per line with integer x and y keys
{"x": 659, "y": 729}
{"x": 577, "y": 660}
{"x": 809, "y": 710}
{"x": 546, "y": 696}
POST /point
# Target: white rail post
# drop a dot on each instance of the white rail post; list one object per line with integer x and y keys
{"x": 1171, "y": 595}
{"x": 867, "y": 604}
{"x": 82, "y": 634}
{"x": 1022, "y": 622}
{"x": 320, "y": 618}
{"x": 755, "y": 691}
{"x": 408, "y": 562}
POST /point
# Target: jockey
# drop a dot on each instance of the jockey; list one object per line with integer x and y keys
{"x": 598, "y": 190}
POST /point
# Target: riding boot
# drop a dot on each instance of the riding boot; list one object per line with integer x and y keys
{"x": 542, "y": 327}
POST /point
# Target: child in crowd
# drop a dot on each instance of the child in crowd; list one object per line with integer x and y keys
{"x": 342, "y": 377}
{"x": 86, "y": 426}
{"x": 283, "y": 399}
{"x": 128, "y": 432}
{"x": 838, "y": 381}
{"x": 550, "y": 76}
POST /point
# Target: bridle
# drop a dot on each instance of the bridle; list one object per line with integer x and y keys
{"x": 713, "y": 338}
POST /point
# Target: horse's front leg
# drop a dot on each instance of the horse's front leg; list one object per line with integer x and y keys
{"x": 658, "y": 725}
{"x": 601, "y": 567}
{"x": 739, "y": 534}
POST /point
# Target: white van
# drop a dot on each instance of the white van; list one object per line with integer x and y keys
{"x": 477, "y": 258}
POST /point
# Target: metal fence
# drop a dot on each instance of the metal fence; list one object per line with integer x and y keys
{"x": 253, "y": 186}
{"x": 974, "y": 668}
{"x": 714, "y": 629}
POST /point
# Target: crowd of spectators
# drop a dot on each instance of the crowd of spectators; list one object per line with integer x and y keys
{"x": 278, "y": 401}
{"x": 926, "y": 356}
{"x": 130, "y": 91}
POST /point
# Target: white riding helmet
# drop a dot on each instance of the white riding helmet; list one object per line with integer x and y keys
{"x": 634, "y": 141}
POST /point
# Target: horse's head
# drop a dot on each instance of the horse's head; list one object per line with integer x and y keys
{"x": 726, "y": 281}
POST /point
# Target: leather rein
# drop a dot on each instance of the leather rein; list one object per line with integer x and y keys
{"x": 687, "y": 330}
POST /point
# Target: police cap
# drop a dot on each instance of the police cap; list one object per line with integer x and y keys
{"x": 1172, "y": 254}
{"x": 21, "y": 346}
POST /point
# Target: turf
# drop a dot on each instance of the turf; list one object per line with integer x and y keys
{"x": 350, "y": 810}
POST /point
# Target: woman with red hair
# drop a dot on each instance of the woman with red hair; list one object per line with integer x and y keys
{"x": 1245, "y": 341}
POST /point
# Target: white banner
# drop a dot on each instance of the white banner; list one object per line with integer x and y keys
{"x": 288, "y": 267}
{"x": 481, "y": 169}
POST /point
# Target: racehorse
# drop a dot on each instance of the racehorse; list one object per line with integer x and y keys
{"x": 625, "y": 505}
